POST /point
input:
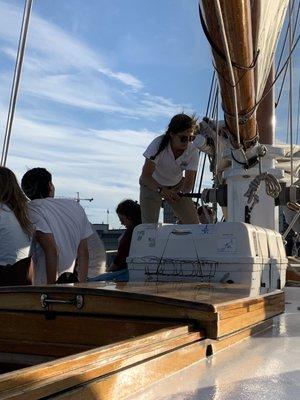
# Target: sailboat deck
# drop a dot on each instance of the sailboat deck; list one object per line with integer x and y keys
{"x": 266, "y": 366}
{"x": 118, "y": 338}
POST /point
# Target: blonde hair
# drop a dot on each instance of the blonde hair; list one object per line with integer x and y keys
{"x": 12, "y": 196}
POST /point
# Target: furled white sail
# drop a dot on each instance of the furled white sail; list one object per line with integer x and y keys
{"x": 271, "y": 17}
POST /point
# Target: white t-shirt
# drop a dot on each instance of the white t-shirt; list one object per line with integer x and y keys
{"x": 14, "y": 242}
{"x": 68, "y": 223}
{"x": 168, "y": 170}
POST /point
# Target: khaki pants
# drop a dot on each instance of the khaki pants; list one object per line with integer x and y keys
{"x": 151, "y": 201}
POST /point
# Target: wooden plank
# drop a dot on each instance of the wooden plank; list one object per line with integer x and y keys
{"x": 230, "y": 325}
{"x": 58, "y": 367}
{"x": 197, "y": 294}
{"x": 99, "y": 330}
{"x": 190, "y": 301}
{"x": 127, "y": 382}
{"x": 116, "y": 371}
{"x": 107, "y": 362}
{"x": 240, "y": 303}
{"x": 223, "y": 314}
{"x": 74, "y": 330}
{"x": 103, "y": 304}
{"x": 232, "y": 339}
{"x": 130, "y": 380}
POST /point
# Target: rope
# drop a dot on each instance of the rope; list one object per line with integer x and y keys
{"x": 273, "y": 188}
{"x": 227, "y": 53}
{"x": 219, "y": 51}
{"x": 249, "y": 113}
{"x": 296, "y": 207}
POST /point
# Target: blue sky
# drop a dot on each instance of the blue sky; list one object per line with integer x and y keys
{"x": 101, "y": 79}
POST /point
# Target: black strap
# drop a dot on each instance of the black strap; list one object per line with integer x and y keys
{"x": 219, "y": 51}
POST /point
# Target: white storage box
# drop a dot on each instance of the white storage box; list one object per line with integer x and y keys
{"x": 226, "y": 252}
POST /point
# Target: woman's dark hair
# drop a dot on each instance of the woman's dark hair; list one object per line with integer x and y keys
{"x": 131, "y": 210}
{"x": 35, "y": 183}
{"x": 12, "y": 196}
{"x": 179, "y": 123}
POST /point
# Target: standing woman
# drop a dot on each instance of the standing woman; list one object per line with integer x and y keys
{"x": 170, "y": 167}
{"x": 15, "y": 232}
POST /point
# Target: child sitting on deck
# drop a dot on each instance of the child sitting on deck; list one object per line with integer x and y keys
{"x": 129, "y": 213}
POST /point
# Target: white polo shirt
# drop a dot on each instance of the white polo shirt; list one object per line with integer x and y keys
{"x": 168, "y": 170}
{"x": 66, "y": 220}
{"x": 14, "y": 242}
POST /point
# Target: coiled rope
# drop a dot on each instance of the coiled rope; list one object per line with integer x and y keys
{"x": 273, "y": 187}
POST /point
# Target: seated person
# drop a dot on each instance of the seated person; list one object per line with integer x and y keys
{"x": 206, "y": 216}
{"x": 15, "y": 232}
{"x": 129, "y": 213}
{"x": 61, "y": 230}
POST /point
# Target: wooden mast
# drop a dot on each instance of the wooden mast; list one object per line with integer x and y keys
{"x": 238, "y": 27}
{"x": 266, "y": 113}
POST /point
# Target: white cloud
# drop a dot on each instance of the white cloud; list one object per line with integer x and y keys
{"x": 103, "y": 164}
{"x": 63, "y": 69}
{"x": 62, "y": 72}
{"x": 51, "y": 48}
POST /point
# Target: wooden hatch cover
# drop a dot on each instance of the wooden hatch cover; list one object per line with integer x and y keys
{"x": 117, "y": 339}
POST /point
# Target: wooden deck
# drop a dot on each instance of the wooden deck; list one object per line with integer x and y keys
{"x": 123, "y": 338}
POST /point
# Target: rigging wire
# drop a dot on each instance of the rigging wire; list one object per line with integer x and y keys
{"x": 291, "y": 94}
{"x": 275, "y": 80}
{"x": 212, "y": 83}
{"x": 210, "y": 107}
{"x": 287, "y": 125}
{"x": 284, "y": 42}
{"x": 217, "y": 137}
{"x": 298, "y": 115}
{"x": 16, "y": 80}
{"x": 210, "y": 91}
{"x": 212, "y": 113}
{"x": 211, "y": 94}
{"x": 216, "y": 161}
{"x": 283, "y": 48}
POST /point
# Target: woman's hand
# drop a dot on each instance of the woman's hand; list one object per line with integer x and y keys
{"x": 169, "y": 195}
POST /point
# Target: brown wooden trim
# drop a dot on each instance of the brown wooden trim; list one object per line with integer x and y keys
{"x": 126, "y": 382}
{"x": 236, "y": 323}
{"x": 111, "y": 305}
{"x": 278, "y": 294}
{"x": 46, "y": 381}
{"x": 236, "y": 337}
{"x": 106, "y": 353}
{"x": 119, "y": 370}
{"x": 74, "y": 330}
